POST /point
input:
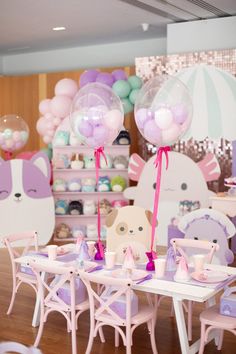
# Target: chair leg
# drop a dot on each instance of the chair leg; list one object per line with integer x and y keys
{"x": 220, "y": 340}
{"x": 152, "y": 336}
{"x": 190, "y": 316}
{"x": 202, "y": 339}
{"x": 40, "y": 332}
{"x": 13, "y": 296}
{"x": 172, "y": 310}
{"x": 101, "y": 335}
{"x": 128, "y": 340}
{"x": 73, "y": 332}
{"x": 90, "y": 341}
{"x": 116, "y": 338}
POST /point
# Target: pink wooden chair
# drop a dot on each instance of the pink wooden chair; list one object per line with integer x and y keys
{"x": 102, "y": 310}
{"x": 50, "y": 301}
{"x": 9, "y": 347}
{"x": 212, "y": 318}
{"x": 180, "y": 245}
{"x": 19, "y": 277}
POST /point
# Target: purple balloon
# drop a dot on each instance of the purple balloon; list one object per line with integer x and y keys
{"x": 100, "y": 134}
{"x": 142, "y": 116}
{"x": 87, "y": 77}
{"x": 180, "y": 113}
{"x": 152, "y": 133}
{"x": 91, "y": 142}
{"x": 119, "y": 74}
{"x": 85, "y": 128}
{"x": 105, "y": 78}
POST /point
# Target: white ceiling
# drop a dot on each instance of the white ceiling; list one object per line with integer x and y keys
{"x": 26, "y": 25}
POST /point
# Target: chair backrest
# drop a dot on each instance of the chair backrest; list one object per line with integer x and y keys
{"x": 7, "y": 347}
{"x": 181, "y": 244}
{"x": 62, "y": 275}
{"x": 100, "y": 306}
{"x": 10, "y": 241}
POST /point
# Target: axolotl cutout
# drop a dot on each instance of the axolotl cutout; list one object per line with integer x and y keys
{"x": 183, "y": 180}
{"x": 26, "y": 201}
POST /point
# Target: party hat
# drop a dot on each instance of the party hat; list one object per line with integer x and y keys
{"x": 129, "y": 262}
{"x": 83, "y": 254}
{"x": 182, "y": 274}
{"x": 171, "y": 259}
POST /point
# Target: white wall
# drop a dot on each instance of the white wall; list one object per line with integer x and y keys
{"x": 107, "y": 55}
{"x": 196, "y": 36}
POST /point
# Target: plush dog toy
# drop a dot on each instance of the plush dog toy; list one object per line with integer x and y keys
{"x": 129, "y": 226}
{"x": 76, "y": 161}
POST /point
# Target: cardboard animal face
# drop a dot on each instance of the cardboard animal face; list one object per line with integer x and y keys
{"x": 183, "y": 180}
{"x": 129, "y": 226}
{"x": 26, "y": 197}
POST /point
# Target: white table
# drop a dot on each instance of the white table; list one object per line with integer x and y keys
{"x": 178, "y": 292}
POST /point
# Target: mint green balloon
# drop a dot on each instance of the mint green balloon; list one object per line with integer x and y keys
{"x": 127, "y": 105}
{"x": 122, "y": 88}
{"x": 133, "y": 95}
{"x": 135, "y": 82}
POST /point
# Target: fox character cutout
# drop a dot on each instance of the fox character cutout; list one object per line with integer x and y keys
{"x": 26, "y": 201}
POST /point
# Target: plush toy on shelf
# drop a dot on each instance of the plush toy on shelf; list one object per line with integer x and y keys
{"x": 61, "y": 138}
{"x": 88, "y": 185}
{"x": 75, "y": 207}
{"x": 77, "y": 162}
{"x": 89, "y": 162}
{"x": 59, "y": 185}
{"x": 105, "y": 207}
{"x": 118, "y": 184}
{"x": 104, "y": 184}
{"x": 119, "y": 203}
{"x": 62, "y": 231}
{"x": 120, "y": 162}
{"x": 123, "y": 138}
{"x": 61, "y": 207}
{"x": 74, "y": 141}
{"x": 89, "y": 207}
{"x": 78, "y": 230}
{"x": 74, "y": 185}
{"x": 92, "y": 231}
{"x": 106, "y": 163}
{"x": 61, "y": 161}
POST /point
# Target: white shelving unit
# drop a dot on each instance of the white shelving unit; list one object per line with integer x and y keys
{"x": 68, "y": 174}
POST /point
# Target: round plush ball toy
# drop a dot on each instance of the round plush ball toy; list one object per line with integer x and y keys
{"x": 97, "y": 115}
{"x": 14, "y": 132}
{"x": 163, "y": 110}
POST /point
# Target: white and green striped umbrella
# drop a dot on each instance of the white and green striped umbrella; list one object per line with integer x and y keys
{"x": 213, "y": 93}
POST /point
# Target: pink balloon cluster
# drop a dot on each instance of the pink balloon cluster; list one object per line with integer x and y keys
{"x": 163, "y": 115}
{"x": 97, "y": 115}
{"x": 56, "y": 109}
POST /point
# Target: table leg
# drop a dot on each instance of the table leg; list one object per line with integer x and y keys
{"x": 36, "y": 315}
{"x": 179, "y": 315}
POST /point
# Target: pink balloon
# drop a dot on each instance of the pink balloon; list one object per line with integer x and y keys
{"x": 142, "y": 116}
{"x": 9, "y": 143}
{"x": 51, "y": 133}
{"x": 44, "y": 106}
{"x": 60, "y": 106}
{"x": 47, "y": 139}
{"x": 85, "y": 128}
{"x": 1, "y": 138}
{"x": 49, "y": 125}
{"x": 48, "y": 115}
{"x": 56, "y": 121}
{"x": 16, "y": 135}
{"x": 41, "y": 125}
{"x": 114, "y": 119}
{"x": 66, "y": 87}
{"x": 169, "y": 136}
{"x": 152, "y": 133}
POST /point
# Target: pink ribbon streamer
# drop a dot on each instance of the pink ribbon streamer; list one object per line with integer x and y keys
{"x": 97, "y": 154}
{"x": 8, "y": 155}
{"x": 158, "y": 165}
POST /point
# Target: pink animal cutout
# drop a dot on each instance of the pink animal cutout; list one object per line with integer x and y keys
{"x": 26, "y": 201}
{"x": 183, "y": 180}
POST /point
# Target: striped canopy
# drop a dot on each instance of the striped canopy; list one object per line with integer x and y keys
{"x": 213, "y": 93}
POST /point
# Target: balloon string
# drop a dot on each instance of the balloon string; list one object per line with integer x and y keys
{"x": 158, "y": 165}
{"x": 97, "y": 153}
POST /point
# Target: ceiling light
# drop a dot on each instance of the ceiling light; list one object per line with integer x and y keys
{"x": 59, "y": 28}
{"x": 145, "y": 26}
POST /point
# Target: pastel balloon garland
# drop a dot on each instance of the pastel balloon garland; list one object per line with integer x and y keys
{"x": 163, "y": 113}
{"x": 14, "y": 134}
{"x": 96, "y": 118}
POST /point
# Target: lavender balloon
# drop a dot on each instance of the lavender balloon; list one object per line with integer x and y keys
{"x": 87, "y": 77}
{"x": 152, "y": 133}
{"x": 180, "y": 113}
{"x": 85, "y": 128}
{"x": 119, "y": 74}
{"x": 142, "y": 116}
{"x": 105, "y": 78}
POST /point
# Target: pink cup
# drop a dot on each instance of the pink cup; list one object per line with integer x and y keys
{"x": 91, "y": 248}
{"x": 160, "y": 267}
{"x": 199, "y": 262}
{"x": 52, "y": 252}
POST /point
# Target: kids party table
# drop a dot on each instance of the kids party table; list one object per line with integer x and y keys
{"x": 199, "y": 292}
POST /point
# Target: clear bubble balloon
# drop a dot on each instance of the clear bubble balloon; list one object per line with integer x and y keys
{"x": 97, "y": 115}
{"x": 14, "y": 132}
{"x": 163, "y": 110}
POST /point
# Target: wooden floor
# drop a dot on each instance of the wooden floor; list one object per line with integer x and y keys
{"x": 55, "y": 339}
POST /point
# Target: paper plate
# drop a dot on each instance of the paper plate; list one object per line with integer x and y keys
{"x": 209, "y": 276}
{"x": 136, "y": 274}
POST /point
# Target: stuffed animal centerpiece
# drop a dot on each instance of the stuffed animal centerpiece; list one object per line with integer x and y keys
{"x": 120, "y": 162}
{"x": 118, "y": 184}
{"x": 77, "y": 162}
{"x": 104, "y": 184}
{"x": 88, "y": 185}
{"x": 75, "y": 207}
{"x": 74, "y": 185}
